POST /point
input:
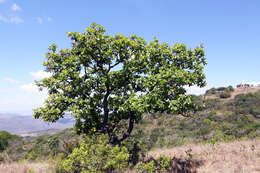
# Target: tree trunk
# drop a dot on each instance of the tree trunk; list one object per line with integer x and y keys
{"x": 118, "y": 139}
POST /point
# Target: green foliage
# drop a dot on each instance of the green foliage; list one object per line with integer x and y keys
{"x": 53, "y": 144}
{"x": 146, "y": 167}
{"x": 108, "y": 82}
{"x": 230, "y": 88}
{"x": 164, "y": 162}
{"x": 96, "y": 155}
{"x": 222, "y": 92}
{"x": 70, "y": 145}
{"x": 218, "y": 121}
{"x": 5, "y": 138}
{"x": 211, "y": 91}
{"x": 136, "y": 148}
{"x": 224, "y": 95}
{"x": 161, "y": 164}
{"x": 30, "y": 171}
{"x": 31, "y": 155}
{"x": 211, "y": 103}
{"x": 247, "y": 104}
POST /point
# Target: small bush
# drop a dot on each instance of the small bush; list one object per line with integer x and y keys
{"x": 31, "y": 155}
{"x": 5, "y": 138}
{"x": 211, "y": 91}
{"x": 167, "y": 164}
{"x": 163, "y": 163}
{"x": 95, "y": 155}
{"x": 225, "y": 95}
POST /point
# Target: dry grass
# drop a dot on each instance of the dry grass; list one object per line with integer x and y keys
{"x": 235, "y": 157}
{"x": 26, "y": 167}
{"x": 244, "y": 90}
{"x": 237, "y": 91}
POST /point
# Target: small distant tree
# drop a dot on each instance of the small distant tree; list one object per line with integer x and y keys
{"x": 230, "y": 88}
{"x": 53, "y": 144}
{"x": 211, "y": 91}
{"x": 107, "y": 82}
{"x": 5, "y": 138}
{"x": 225, "y": 94}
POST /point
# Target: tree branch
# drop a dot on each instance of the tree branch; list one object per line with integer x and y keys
{"x": 105, "y": 109}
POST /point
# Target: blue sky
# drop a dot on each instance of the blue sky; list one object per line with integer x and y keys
{"x": 230, "y": 31}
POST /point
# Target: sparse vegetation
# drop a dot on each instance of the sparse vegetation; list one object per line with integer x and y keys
{"x": 221, "y": 92}
{"x": 5, "y": 139}
{"x": 213, "y": 123}
{"x": 96, "y": 155}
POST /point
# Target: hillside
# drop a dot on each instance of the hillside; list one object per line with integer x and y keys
{"x": 209, "y": 131}
{"x": 217, "y": 119}
{"x": 27, "y": 125}
{"x": 215, "y": 92}
{"x": 232, "y": 157}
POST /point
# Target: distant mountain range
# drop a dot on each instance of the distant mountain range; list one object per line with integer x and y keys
{"x": 23, "y": 125}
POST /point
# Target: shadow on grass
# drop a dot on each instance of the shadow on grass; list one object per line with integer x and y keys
{"x": 178, "y": 165}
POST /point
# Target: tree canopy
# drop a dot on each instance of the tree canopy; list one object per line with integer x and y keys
{"x": 107, "y": 82}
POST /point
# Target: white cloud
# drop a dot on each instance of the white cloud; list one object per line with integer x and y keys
{"x": 15, "y": 7}
{"x": 2, "y": 1}
{"x": 3, "y": 19}
{"x": 16, "y": 20}
{"x": 39, "y": 20}
{"x": 49, "y": 19}
{"x": 196, "y": 90}
{"x": 11, "y": 80}
{"x": 40, "y": 74}
{"x": 13, "y": 19}
{"x": 32, "y": 88}
{"x": 29, "y": 88}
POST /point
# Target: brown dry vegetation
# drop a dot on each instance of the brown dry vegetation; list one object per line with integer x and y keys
{"x": 244, "y": 90}
{"x": 237, "y": 91}
{"x": 26, "y": 167}
{"x": 234, "y": 157}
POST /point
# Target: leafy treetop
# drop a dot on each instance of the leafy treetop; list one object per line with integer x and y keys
{"x": 107, "y": 82}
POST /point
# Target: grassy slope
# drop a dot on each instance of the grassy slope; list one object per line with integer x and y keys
{"x": 233, "y": 157}
{"x": 27, "y": 167}
{"x": 220, "y": 120}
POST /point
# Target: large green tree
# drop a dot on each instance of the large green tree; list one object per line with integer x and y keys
{"x": 107, "y": 82}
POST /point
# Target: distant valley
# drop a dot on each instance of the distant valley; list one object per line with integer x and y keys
{"x": 28, "y": 126}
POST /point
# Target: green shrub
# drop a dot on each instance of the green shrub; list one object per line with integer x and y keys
{"x": 136, "y": 149}
{"x": 5, "y": 138}
{"x": 165, "y": 164}
{"x": 211, "y": 103}
{"x": 211, "y": 91}
{"x": 148, "y": 167}
{"x": 230, "y": 88}
{"x": 154, "y": 135}
{"x": 53, "y": 144}
{"x": 224, "y": 95}
{"x": 31, "y": 155}
{"x": 95, "y": 155}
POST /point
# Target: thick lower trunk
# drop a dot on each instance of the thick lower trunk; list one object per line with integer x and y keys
{"x": 118, "y": 139}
